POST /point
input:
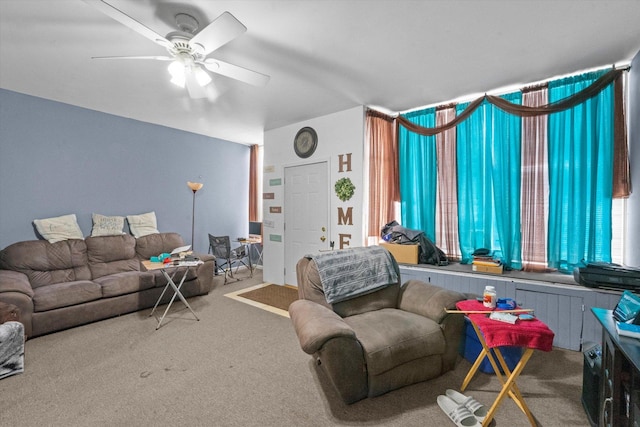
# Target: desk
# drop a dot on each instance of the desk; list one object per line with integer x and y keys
{"x": 252, "y": 243}
{"x": 492, "y": 334}
{"x": 176, "y": 289}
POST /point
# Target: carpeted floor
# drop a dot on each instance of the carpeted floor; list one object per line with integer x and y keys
{"x": 239, "y": 366}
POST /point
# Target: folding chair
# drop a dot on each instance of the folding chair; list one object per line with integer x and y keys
{"x": 227, "y": 258}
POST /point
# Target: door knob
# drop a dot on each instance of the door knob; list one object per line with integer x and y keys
{"x": 323, "y": 238}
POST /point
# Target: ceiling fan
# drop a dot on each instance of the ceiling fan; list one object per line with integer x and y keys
{"x": 188, "y": 48}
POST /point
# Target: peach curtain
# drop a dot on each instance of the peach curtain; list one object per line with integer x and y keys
{"x": 253, "y": 183}
{"x": 621, "y": 171}
{"x": 534, "y": 185}
{"x": 447, "y": 198}
{"x": 384, "y": 194}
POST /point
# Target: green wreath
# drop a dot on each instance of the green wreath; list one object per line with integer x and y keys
{"x": 344, "y": 189}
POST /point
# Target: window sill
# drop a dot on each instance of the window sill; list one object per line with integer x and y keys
{"x": 465, "y": 269}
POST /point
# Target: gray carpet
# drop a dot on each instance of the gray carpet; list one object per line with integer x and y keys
{"x": 239, "y": 366}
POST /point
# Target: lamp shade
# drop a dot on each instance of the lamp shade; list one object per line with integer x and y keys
{"x": 202, "y": 76}
{"x": 194, "y": 186}
{"x": 177, "y": 71}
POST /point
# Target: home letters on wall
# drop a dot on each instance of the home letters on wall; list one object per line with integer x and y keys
{"x": 344, "y": 190}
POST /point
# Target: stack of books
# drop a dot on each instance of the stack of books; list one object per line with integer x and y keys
{"x": 486, "y": 264}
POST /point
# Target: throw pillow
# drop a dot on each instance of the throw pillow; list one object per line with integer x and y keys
{"x": 142, "y": 225}
{"x": 106, "y": 225}
{"x": 59, "y": 228}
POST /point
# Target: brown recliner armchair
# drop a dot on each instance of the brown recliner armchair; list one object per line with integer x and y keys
{"x": 380, "y": 341}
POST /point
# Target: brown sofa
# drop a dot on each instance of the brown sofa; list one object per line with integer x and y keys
{"x": 69, "y": 283}
{"x": 380, "y": 341}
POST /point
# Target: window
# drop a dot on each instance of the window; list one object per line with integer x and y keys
{"x": 618, "y": 221}
{"x": 575, "y": 218}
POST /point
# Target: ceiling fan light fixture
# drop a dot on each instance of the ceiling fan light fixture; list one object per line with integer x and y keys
{"x": 189, "y": 47}
{"x": 202, "y": 77}
{"x": 177, "y": 71}
{"x": 180, "y": 82}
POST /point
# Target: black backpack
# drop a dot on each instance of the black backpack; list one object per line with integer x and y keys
{"x": 428, "y": 252}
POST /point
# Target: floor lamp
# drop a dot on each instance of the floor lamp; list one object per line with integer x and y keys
{"x": 194, "y": 186}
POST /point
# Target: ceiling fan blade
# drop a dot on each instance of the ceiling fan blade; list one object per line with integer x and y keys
{"x": 235, "y": 72}
{"x": 222, "y": 30}
{"x": 195, "y": 90}
{"x": 128, "y": 21}
{"x": 157, "y": 58}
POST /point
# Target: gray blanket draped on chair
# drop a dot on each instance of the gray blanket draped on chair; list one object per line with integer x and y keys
{"x": 348, "y": 273}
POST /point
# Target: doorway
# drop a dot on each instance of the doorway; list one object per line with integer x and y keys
{"x": 306, "y": 214}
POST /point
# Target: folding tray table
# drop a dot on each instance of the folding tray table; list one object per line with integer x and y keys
{"x": 493, "y": 334}
{"x": 170, "y": 283}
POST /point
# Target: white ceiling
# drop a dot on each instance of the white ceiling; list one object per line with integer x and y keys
{"x": 323, "y": 56}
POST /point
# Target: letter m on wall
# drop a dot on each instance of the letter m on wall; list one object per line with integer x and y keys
{"x": 345, "y": 219}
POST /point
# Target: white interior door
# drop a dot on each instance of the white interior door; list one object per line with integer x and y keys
{"x": 306, "y": 213}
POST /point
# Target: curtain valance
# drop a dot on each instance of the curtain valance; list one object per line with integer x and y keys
{"x": 519, "y": 110}
{"x": 621, "y": 182}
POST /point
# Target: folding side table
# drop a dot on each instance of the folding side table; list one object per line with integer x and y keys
{"x": 252, "y": 242}
{"x": 493, "y": 334}
{"x": 176, "y": 289}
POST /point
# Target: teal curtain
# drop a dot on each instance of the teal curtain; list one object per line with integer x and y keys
{"x": 418, "y": 174}
{"x": 489, "y": 183}
{"x": 506, "y": 175}
{"x": 473, "y": 201}
{"x": 580, "y": 176}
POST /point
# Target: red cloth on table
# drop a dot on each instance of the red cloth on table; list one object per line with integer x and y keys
{"x": 524, "y": 333}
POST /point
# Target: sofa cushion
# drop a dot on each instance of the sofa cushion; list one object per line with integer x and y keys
{"x": 47, "y": 263}
{"x": 125, "y": 283}
{"x": 383, "y": 298}
{"x": 65, "y": 294}
{"x": 111, "y": 254}
{"x": 155, "y": 244}
{"x": 391, "y": 337}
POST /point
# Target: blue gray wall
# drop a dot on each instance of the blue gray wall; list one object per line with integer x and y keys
{"x": 58, "y": 159}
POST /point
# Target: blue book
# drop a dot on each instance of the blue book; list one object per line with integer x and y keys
{"x": 628, "y": 329}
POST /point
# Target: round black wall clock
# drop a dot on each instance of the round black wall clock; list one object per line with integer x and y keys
{"x": 305, "y": 142}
